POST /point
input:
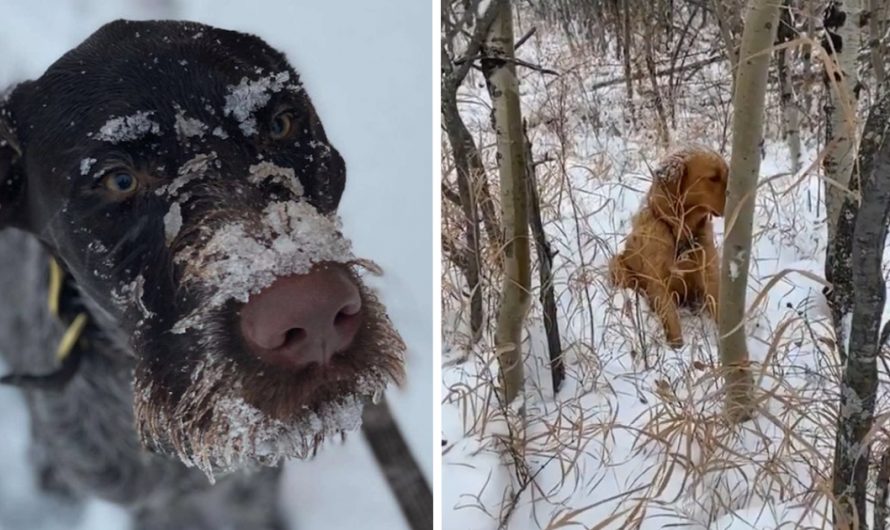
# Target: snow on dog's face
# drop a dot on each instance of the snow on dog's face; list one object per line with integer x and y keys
{"x": 187, "y": 185}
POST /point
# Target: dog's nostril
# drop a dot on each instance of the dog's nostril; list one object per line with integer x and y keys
{"x": 294, "y": 336}
{"x": 346, "y": 315}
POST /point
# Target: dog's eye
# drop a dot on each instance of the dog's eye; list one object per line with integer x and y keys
{"x": 282, "y": 125}
{"x": 714, "y": 178}
{"x": 120, "y": 181}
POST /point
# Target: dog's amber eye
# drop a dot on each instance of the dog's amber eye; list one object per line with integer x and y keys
{"x": 121, "y": 181}
{"x": 282, "y": 125}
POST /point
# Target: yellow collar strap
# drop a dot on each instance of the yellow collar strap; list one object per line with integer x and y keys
{"x": 71, "y": 336}
{"x": 75, "y": 329}
{"x": 56, "y": 275}
{"x": 67, "y": 355}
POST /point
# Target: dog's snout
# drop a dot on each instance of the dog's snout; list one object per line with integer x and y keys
{"x": 303, "y": 319}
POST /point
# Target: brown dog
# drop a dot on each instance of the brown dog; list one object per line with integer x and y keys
{"x": 669, "y": 256}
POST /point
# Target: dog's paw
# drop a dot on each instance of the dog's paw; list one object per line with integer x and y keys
{"x": 675, "y": 342}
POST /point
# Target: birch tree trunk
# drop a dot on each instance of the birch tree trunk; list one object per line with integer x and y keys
{"x": 860, "y": 377}
{"x": 882, "y": 483}
{"x": 839, "y": 272}
{"x": 748, "y": 101}
{"x": 503, "y": 88}
{"x": 790, "y": 113}
{"x": 841, "y": 130}
{"x": 806, "y": 55}
{"x": 841, "y": 42}
{"x": 876, "y": 12}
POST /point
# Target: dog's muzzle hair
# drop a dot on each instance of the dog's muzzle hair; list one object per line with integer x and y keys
{"x": 213, "y": 404}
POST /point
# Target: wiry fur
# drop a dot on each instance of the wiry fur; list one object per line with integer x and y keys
{"x": 669, "y": 256}
{"x": 216, "y": 217}
{"x": 83, "y": 443}
{"x": 234, "y": 412}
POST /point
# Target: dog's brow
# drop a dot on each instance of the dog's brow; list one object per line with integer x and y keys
{"x": 129, "y": 127}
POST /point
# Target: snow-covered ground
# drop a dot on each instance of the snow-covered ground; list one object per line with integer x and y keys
{"x": 628, "y": 443}
{"x": 367, "y": 67}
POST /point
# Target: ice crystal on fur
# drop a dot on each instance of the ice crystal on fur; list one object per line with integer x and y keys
{"x": 231, "y": 433}
{"x": 97, "y": 247}
{"x": 128, "y": 128}
{"x": 193, "y": 169}
{"x": 231, "y": 413}
{"x": 188, "y": 127}
{"x": 172, "y": 222}
{"x": 245, "y": 98}
{"x": 132, "y": 293}
{"x": 86, "y": 164}
{"x": 672, "y": 167}
{"x": 253, "y": 437}
{"x": 281, "y": 175}
{"x": 241, "y": 259}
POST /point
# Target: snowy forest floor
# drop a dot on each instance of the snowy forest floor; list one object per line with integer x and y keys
{"x": 633, "y": 436}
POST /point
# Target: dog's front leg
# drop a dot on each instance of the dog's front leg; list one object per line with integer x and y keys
{"x": 662, "y": 302}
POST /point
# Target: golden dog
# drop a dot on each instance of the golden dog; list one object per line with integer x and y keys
{"x": 669, "y": 256}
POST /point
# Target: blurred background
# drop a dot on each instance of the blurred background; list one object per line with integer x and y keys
{"x": 367, "y": 67}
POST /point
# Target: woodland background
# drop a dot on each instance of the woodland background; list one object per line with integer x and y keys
{"x": 561, "y": 405}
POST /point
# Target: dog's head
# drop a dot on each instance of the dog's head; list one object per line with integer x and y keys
{"x": 181, "y": 176}
{"x": 690, "y": 185}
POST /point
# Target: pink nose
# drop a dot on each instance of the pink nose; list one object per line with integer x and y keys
{"x": 303, "y": 319}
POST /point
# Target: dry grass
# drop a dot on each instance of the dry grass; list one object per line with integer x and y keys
{"x": 568, "y": 456}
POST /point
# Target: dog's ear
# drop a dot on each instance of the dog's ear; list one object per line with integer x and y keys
{"x": 665, "y": 196}
{"x": 11, "y": 175}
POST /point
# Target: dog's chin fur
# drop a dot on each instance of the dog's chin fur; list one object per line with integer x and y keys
{"x": 234, "y": 411}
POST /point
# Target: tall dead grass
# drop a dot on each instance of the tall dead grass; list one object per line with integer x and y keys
{"x": 693, "y": 468}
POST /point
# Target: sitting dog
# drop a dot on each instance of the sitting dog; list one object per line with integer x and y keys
{"x": 169, "y": 189}
{"x": 669, "y": 256}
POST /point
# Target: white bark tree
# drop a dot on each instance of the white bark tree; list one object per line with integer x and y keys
{"x": 842, "y": 126}
{"x": 877, "y": 10}
{"x": 499, "y": 68}
{"x": 841, "y": 42}
{"x": 790, "y": 111}
{"x": 748, "y": 101}
{"x": 866, "y": 233}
